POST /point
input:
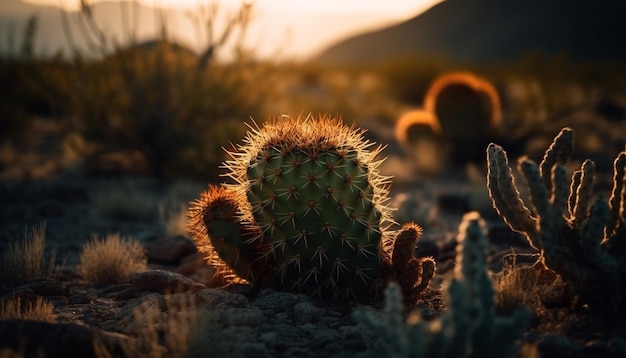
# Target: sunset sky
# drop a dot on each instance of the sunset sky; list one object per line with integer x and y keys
{"x": 301, "y": 28}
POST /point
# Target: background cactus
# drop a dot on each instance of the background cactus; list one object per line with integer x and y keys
{"x": 469, "y": 326}
{"x": 581, "y": 242}
{"x": 306, "y": 213}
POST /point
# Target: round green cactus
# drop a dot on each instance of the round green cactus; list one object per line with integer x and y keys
{"x": 311, "y": 210}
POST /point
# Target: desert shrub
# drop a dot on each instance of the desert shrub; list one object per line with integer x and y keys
{"x": 39, "y": 310}
{"x": 23, "y": 260}
{"x": 111, "y": 259}
{"x": 164, "y": 107}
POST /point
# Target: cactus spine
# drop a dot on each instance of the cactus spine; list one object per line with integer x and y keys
{"x": 310, "y": 208}
{"x": 582, "y": 242}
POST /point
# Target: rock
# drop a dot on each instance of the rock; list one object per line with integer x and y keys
{"x": 212, "y": 297}
{"x": 307, "y": 312}
{"x": 47, "y": 287}
{"x": 191, "y": 264}
{"x": 78, "y": 299}
{"x": 271, "y": 302}
{"x": 162, "y": 281}
{"x": 34, "y": 338}
{"x": 23, "y": 294}
{"x": 170, "y": 251}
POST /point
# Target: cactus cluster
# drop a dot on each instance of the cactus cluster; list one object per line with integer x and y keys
{"x": 469, "y": 327}
{"x": 306, "y": 212}
{"x": 584, "y": 242}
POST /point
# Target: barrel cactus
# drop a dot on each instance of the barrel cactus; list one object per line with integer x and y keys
{"x": 306, "y": 212}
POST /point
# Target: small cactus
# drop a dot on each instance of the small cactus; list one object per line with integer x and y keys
{"x": 469, "y": 327}
{"x": 582, "y": 242}
{"x": 307, "y": 213}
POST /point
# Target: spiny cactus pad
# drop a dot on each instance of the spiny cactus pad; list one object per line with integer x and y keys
{"x": 307, "y": 211}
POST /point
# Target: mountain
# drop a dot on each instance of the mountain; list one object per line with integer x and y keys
{"x": 50, "y": 37}
{"x": 478, "y": 31}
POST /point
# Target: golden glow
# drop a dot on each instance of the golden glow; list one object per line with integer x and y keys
{"x": 475, "y": 82}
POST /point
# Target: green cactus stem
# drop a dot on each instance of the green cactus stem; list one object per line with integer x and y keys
{"x": 580, "y": 240}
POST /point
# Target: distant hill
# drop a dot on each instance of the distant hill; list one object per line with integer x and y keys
{"x": 473, "y": 31}
{"x": 50, "y": 36}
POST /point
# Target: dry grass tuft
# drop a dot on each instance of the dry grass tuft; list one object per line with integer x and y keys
{"x": 531, "y": 286}
{"x": 40, "y": 310}
{"x": 111, "y": 259}
{"x": 23, "y": 260}
{"x": 516, "y": 287}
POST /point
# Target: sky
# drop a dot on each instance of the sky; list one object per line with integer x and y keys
{"x": 299, "y": 28}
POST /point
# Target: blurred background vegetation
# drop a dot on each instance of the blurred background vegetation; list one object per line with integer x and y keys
{"x": 160, "y": 109}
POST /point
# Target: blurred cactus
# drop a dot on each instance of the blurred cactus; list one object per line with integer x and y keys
{"x": 461, "y": 112}
{"x": 307, "y": 213}
{"x": 583, "y": 243}
{"x": 469, "y": 327}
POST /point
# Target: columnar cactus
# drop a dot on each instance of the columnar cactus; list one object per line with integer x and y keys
{"x": 583, "y": 243}
{"x": 307, "y": 212}
{"x": 469, "y": 326}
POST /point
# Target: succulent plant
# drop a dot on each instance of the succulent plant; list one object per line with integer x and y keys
{"x": 468, "y": 328}
{"x": 307, "y": 212}
{"x": 583, "y": 242}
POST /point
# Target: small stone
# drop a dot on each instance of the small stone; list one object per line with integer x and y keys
{"x": 123, "y": 295}
{"x": 162, "y": 281}
{"x": 48, "y": 287}
{"x": 170, "y": 251}
{"x": 212, "y": 297}
{"x": 190, "y": 264}
{"x": 271, "y": 302}
{"x": 307, "y": 312}
{"x": 78, "y": 299}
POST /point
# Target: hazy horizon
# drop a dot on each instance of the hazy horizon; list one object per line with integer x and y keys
{"x": 287, "y": 29}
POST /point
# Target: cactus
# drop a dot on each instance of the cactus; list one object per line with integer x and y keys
{"x": 582, "y": 242}
{"x": 469, "y": 327}
{"x": 307, "y": 212}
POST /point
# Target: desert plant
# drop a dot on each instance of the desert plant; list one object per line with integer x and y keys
{"x": 23, "y": 260}
{"x": 307, "y": 213}
{"x": 584, "y": 243}
{"x": 159, "y": 105}
{"x": 468, "y": 109}
{"x": 111, "y": 259}
{"x": 468, "y": 327}
{"x": 39, "y": 310}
